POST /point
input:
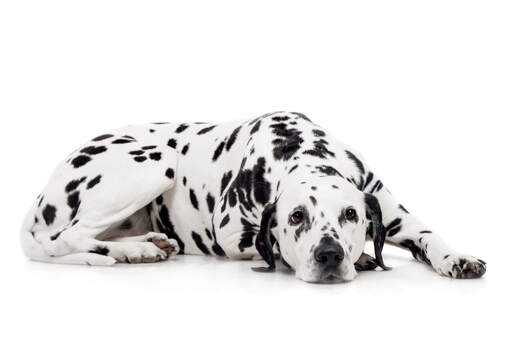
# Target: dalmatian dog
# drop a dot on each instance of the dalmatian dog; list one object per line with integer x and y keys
{"x": 274, "y": 187}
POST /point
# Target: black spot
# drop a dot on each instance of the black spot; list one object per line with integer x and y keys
{"x": 165, "y": 225}
{"x": 56, "y": 235}
{"x": 73, "y": 184}
{"x": 80, "y": 160}
{"x": 280, "y": 118}
{"x": 74, "y": 203}
{"x": 446, "y": 256}
{"x": 402, "y": 208}
{"x": 193, "y": 199}
{"x": 320, "y": 149}
{"x": 49, "y": 213}
{"x": 208, "y": 234}
{"x": 181, "y": 128}
{"x": 416, "y": 251}
{"x": 287, "y": 143}
{"x": 210, "y": 201}
{"x": 93, "y": 150}
{"x": 247, "y": 182}
{"x": 172, "y": 143}
{"x": 394, "y": 227}
{"x": 232, "y": 138}
{"x": 122, "y": 141}
{"x": 218, "y": 250}
{"x": 159, "y": 200}
{"x": 255, "y": 128}
{"x": 102, "y": 137}
{"x": 261, "y": 186}
{"x": 425, "y": 231}
{"x": 136, "y": 152}
{"x": 313, "y": 188}
{"x": 334, "y": 186}
{"x": 155, "y": 156}
{"x": 224, "y": 221}
{"x": 226, "y": 178}
{"x": 140, "y": 158}
{"x": 100, "y": 250}
{"x": 318, "y": 133}
{"x": 199, "y": 243}
{"x": 205, "y": 130}
{"x": 94, "y": 182}
{"x": 151, "y": 130}
{"x": 184, "y": 181}
{"x": 148, "y": 147}
{"x": 292, "y": 169}
{"x": 313, "y": 199}
{"x": 248, "y": 234}
{"x": 328, "y": 170}
{"x": 169, "y": 173}
{"x": 357, "y": 162}
{"x": 377, "y": 186}
{"x": 40, "y": 201}
{"x": 128, "y": 137}
{"x": 185, "y": 149}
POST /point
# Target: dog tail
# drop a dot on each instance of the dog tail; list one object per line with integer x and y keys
{"x": 34, "y": 250}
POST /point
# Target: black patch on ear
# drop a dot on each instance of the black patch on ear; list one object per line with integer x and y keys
{"x": 263, "y": 241}
{"x": 378, "y": 233}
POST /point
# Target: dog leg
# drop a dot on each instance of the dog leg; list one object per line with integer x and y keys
{"x": 91, "y": 196}
{"x": 406, "y": 231}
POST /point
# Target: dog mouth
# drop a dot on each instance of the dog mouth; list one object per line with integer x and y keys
{"x": 330, "y": 276}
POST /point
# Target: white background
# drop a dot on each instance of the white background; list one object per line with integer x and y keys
{"x": 422, "y": 89}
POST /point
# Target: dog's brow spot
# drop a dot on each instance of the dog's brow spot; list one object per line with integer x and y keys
{"x": 313, "y": 188}
{"x": 313, "y": 200}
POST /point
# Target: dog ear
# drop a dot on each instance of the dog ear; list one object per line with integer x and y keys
{"x": 377, "y": 230}
{"x": 264, "y": 240}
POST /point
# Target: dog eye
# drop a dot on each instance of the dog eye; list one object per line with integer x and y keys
{"x": 296, "y": 217}
{"x": 350, "y": 214}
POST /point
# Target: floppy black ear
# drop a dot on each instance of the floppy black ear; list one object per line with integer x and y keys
{"x": 264, "y": 243}
{"x": 378, "y": 232}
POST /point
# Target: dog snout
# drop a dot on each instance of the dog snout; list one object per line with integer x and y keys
{"x": 329, "y": 253}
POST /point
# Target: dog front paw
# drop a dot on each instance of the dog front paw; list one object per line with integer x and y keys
{"x": 461, "y": 267}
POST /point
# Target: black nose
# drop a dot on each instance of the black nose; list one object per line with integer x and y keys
{"x": 329, "y": 253}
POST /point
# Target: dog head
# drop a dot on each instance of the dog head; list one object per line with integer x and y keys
{"x": 320, "y": 226}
